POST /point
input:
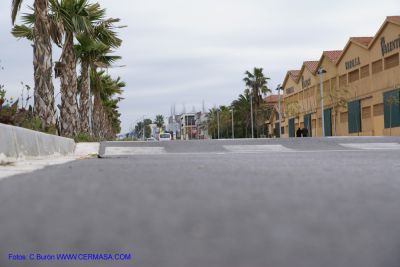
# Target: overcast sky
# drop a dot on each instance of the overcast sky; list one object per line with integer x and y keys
{"x": 185, "y": 52}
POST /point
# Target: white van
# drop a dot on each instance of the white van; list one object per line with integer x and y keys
{"x": 165, "y": 137}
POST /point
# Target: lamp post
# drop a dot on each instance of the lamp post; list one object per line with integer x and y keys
{"x": 252, "y": 120}
{"x": 321, "y": 73}
{"x": 218, "y": 122}
{"x": 279, "y": 88}
{"x": 233, "y": 127}
{"x": 144, "y": 129}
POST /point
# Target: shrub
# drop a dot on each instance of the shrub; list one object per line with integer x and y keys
{"x": 85, "y": 138}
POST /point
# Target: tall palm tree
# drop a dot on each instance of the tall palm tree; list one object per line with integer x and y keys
{"x": 257, "y": 84}
{"x": 159, "y": 121}
{"x": 112, "y": 115}
{"x": 97, "y": 84}
{"x": 104, "y": 88}
{"x": 76, "y": 16}
{"x": 42, "y": 62}
{"x": 212, "y": 121}
{"x": 241, "y": 106}
{"x": 86, "y": 50}
{"x": 93, "y": 51}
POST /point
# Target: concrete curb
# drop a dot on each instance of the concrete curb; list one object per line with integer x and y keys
{"x": 17, "y": 143}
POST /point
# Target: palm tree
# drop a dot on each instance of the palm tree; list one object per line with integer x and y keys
{"x": 242, "y": 111}
{"x": 104, "y": 89}
{"x": 86, "y": 52}
{"x": 93, "y": 51}
{"x": 98, "y": 81}
{"x": 159, "y": 121}
{"x": 225, "y": 121}
{"x": 76, "y": 17}
{"x": 257, "y": 85}
{"x": 110, "y": 107}
{"x": 212, "y": 122}
{"x": 112, "y": 115}
{"x": 42, "y": 62}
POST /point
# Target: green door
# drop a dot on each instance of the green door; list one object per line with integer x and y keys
{"x": 328, "y": 122}
{"x": 354, "y": 116}
{"x": 291, "y": 128}
{"x": 392, "y": 108}
{"x": 276, "y": 130}
{"x": 307, "y": 124}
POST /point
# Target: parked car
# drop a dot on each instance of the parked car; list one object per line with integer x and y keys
{"x": 151, "y": 139}
{"x": 165, "y": 137}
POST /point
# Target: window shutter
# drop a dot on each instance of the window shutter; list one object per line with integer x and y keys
{"x": 354, "y": 116}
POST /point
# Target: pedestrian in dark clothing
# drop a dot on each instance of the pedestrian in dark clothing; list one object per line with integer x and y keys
{"x": 304, "y": 132}
{"x": 299, "y": 132}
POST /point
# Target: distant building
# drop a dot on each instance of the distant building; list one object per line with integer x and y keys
{"x": 188, "y": 126}
{"x": 155, "y": 131}
{"x": 174, "y": 126}
{"x": 201, "y": 125}
{"x": 273, "y": 121}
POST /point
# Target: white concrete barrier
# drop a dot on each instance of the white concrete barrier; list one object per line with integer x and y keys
{"x": 16, "y": 142}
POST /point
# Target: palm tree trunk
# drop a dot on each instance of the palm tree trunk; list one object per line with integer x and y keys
{"x": 69, "y": 106}
{"x": 84, "y": 101}
{"x": 43, "y": 64}
{"x": 109, "y": 131}
{"x": 105, "y": 124}
{"x": 97, "y": 116}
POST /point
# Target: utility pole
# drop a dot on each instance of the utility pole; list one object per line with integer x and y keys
{"x": 279, "y": 110}
{"x": 233, "y": 127}
{"x": 321, "y": 73}
{"x": 252, "y": 120}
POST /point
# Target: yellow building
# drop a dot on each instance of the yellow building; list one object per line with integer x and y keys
{"x": 361, "y": 88}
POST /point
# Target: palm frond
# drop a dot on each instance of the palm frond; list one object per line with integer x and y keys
{"x": 28, "y": 18}
{"x": 15, "y": 7}
{"x": 22, "y": 31}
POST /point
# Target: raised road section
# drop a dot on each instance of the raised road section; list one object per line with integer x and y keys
{"x": 16, "y": 142}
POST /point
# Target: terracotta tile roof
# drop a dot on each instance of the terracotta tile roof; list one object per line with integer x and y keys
{"x": 271, "y": 99}
{"x": 294, "y": 74}
{"x": 364, "y": 41}
{"x": 395, "y": 19}
{"x": 311, "y": 65}
{"x": 334, "y": 55}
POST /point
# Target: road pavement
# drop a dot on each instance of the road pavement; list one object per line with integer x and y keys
{"x": 250, "y": 203}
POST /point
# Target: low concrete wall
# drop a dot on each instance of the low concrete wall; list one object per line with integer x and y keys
{"x": 16, "y": 142}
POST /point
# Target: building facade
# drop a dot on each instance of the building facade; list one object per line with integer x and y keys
{"x": 188, "y": 126}
{"x": 201, "y": 122}
{"x": 360, "y": 85}
{"x": 174, "y": 126}
{"x": 272, "y": 122}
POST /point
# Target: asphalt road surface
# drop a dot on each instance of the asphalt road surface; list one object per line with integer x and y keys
{"x": 278, "y": 203}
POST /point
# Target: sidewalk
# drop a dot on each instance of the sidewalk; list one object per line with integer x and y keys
{"x": 21, "y": 166}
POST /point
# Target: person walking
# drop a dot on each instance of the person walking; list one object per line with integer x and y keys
{"x": 299, "y": 132}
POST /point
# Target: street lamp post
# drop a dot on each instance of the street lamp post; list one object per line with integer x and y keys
{"x": 218, "y": 122}
{"x": 321, "y": 73}
{"x": 233, "y": 127}
{"x": 144, "y": 130}
{"x": 279, "y": 108}
{"x": 252, "y": 120}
